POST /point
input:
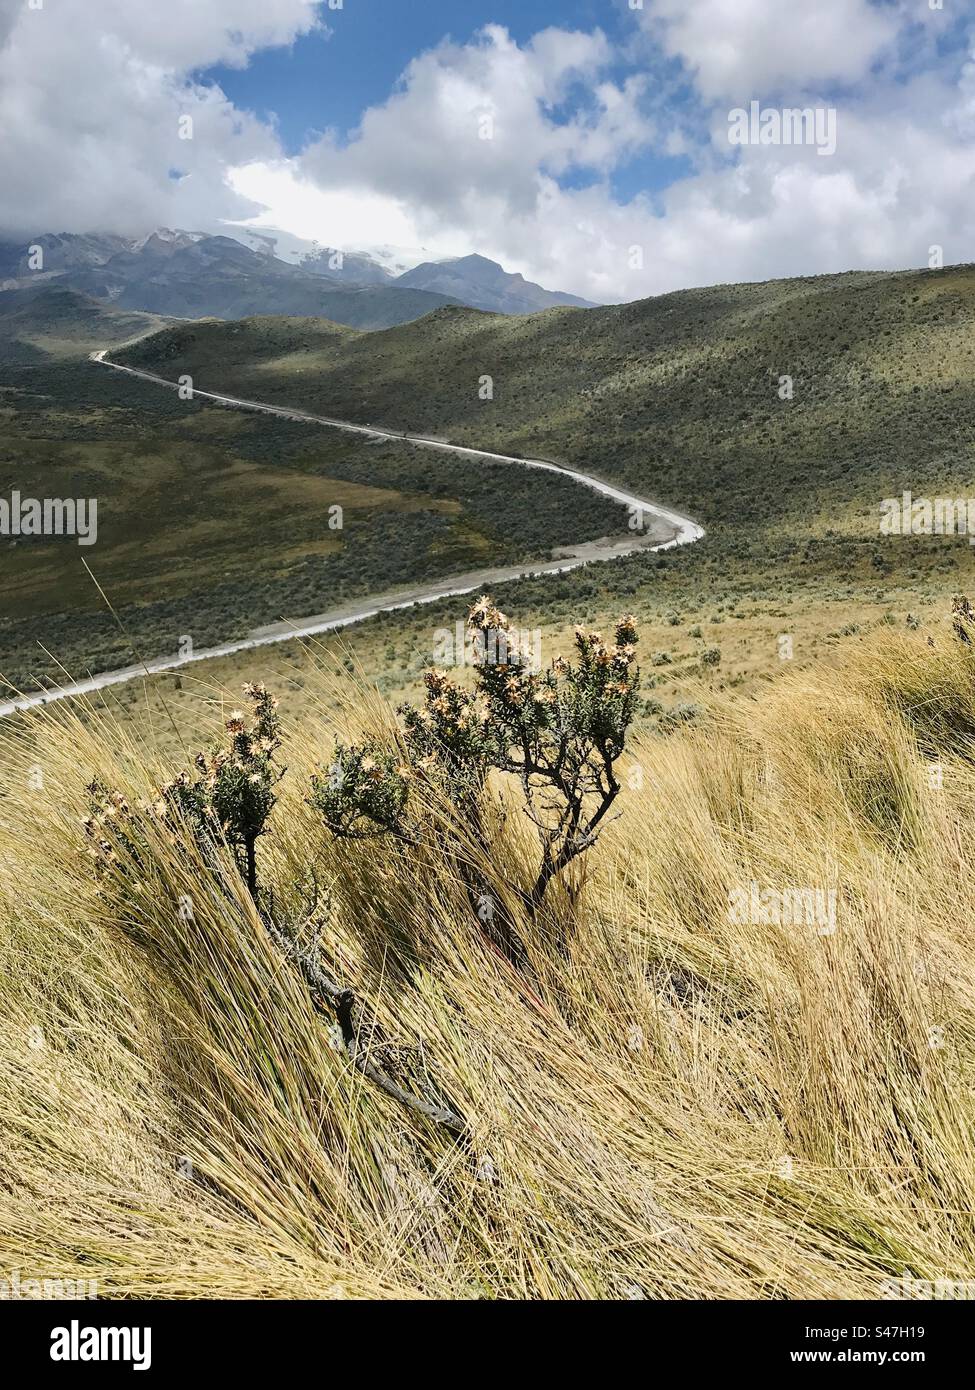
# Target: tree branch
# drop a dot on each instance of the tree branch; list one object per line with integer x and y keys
{"x": 328, "y": 997}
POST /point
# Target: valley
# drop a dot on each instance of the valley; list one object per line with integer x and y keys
{"x": 668, "y": 400}
{"x": 212, "y": 524}
{"x": 677, "y": 399}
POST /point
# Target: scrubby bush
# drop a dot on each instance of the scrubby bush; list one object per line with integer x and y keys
{"x": 363, "y": 792}
{"x": 686, "y": 712}
{"x": 560, "y": 732}
{"x": 229, "y": 801}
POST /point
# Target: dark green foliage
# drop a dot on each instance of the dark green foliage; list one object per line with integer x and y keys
{"x": 363, "y": 792}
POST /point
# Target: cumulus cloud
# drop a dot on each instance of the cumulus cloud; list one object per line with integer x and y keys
{"x": 756, "y": 48}
{"x": 468, "y": 152}
{"x": 515, "y": 150}
{"x": 91, "y": 100}
{"x": 470, "y": 126}
{"x": 899, "y": 182}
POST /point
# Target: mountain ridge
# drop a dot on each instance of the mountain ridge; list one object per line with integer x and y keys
{"x": 497, "y": 290}
{"x": 197, "y": 275}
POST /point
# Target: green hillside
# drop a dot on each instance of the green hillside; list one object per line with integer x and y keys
{"x": 679, "y": 397}
{"x": 679, "y": 394}
{"x": 212, "y": 522}
{"x": 52, "y": 321}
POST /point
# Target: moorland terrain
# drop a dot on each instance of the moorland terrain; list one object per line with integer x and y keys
{"x": 679, "y": 397}
{"x": 320, "y": 1069}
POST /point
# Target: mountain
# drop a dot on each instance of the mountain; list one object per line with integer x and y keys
{"x": 483, "y": 284}
{"x": 65, "y": 251}
{"x": 192, "y": 275}
{"x": 350, "y": 268}
{"x": 474, "y": 280}
{"x": 188, "y": 275}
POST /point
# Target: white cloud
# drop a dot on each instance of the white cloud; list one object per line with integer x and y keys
{"x": 741, "y": 49}
{"x": 350, "y": 218}
{"x": 470, "y": 125}
{"x": 90, "y": 101}
{"x": 900, "y": 180}
{"x": 93, "y": 115}
{"x": 465, "y": 154}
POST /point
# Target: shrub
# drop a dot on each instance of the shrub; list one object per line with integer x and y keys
{"x": 230, "y": 800}
{"x": 560, "y": 732}
{"x": 233, "y": 796}
{"x": 684, "y": 713}
{"x": 363, "y": 792}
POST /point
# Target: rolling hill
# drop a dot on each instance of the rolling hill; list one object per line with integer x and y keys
{"x": 679, "y": 394}
{"x": 685, "y": 399}
{"x": 678, "y": 397}
{"x": 52, "y": 320}
{"x": 211, "y": 523}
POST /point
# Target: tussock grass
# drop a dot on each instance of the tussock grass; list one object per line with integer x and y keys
{"x": 685, "y": 1107}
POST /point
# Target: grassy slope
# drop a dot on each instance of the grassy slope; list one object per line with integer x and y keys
{"x": 687, "y": 1108}
{"x": 370, "y": 308}
{"x": 678, "y": 393}
{"x": 49, "y": 321}
{"x": 690, "y": 1108}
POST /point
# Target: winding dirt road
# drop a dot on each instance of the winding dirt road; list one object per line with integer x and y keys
{"x": 659, "y": 529}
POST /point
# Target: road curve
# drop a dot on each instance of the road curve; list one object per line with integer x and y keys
{"x": 680, "y": 530}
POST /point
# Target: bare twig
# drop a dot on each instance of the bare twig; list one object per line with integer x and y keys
{"x": 329, "y": 998}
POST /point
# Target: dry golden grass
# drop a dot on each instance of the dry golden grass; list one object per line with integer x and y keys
{"x": 686, "y": 1108}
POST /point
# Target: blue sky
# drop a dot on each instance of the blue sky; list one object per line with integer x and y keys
{"x": 586, "y": 144}
{"x": 329, "y": 80}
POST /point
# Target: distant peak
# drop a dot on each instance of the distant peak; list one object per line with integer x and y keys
{"x": 474, "y": 259}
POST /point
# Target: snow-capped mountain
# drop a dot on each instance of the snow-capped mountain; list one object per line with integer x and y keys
{"x": 192, "y": 274}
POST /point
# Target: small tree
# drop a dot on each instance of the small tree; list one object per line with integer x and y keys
{"x": 560, "y": 732}
{"x": 230, "y": 801}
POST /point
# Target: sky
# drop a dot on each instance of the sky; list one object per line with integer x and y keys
{"x": 592, "y": 145}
